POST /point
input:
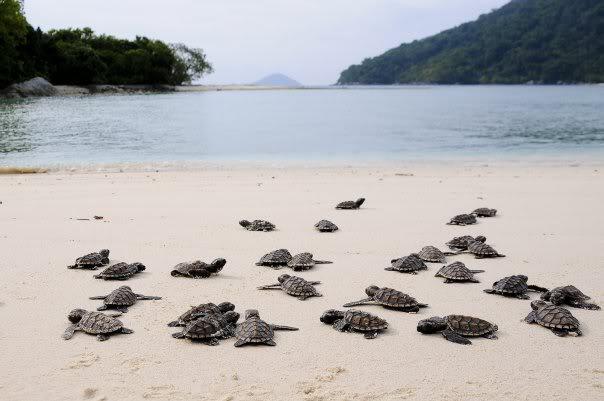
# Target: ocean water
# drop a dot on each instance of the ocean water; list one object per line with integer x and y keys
{"x": 331, "y": 124}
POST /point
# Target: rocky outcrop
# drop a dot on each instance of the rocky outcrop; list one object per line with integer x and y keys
{"x": 34, "y": 87}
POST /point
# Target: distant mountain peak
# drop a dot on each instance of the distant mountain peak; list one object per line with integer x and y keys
{"x": 277, "y": 79}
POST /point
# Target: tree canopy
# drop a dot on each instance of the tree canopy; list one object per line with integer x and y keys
{"x": 81, "y": 57}
{"x": 543, "y": 41}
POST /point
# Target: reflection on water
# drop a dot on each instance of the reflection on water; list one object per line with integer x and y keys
{"x": 335, "y": 124}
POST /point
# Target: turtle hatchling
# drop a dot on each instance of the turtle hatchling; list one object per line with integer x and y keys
{"x": 202, "y": 309}
{"x": 456, "y": 327}
{"x": 432, "y": 254}
{"x": 559, "y": 320}
{"x": 257, "y": 225}
{"x": 294, "y": 286}
{"x": 97, "y": 323}
{"x": 121, "y": 271}
{"x": 351, "y": 204}
{"x": 463, "y": 220}
{"x": 254, "y": 330}
{"x": 305, "y": 261}
{"x": 457, "y": 272}
{"x": 121, "y": 298}
{"x": 326, "y": 226}
{"x": 461, "y": 243}
{"x": 275, "y": 259}
{"x": 484, "y": 212}
{"x": 355, "y": 320}
{"x": 210, "y": 328}
{"x": 92, "y": 261}
{"x": 408, "y": 264}
{"x": 198, "y": 269}
{"x": 514, "y": 286}
{"x": 569, "y": 295}
{"x": 388, "y": 298}
{"x": 480, "y": 250}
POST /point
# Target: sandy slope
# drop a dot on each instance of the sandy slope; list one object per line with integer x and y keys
{"x": 550, "y": 226}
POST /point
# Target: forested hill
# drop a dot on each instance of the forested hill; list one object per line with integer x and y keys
{"x": 543, "y": 41}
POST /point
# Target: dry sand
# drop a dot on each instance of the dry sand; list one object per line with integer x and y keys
{"x": 550, "y": 225}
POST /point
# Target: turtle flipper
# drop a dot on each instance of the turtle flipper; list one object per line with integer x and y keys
{"x": 239, "y": 343}
{"x": 491, "y": 336}
{"x": 341, "y": 325}
{"x": 584, "y": 305}
{"x": 212, "y": 342}
{"x": 178, "y": 335}
{"x": 70, "y": 331}
{"x": 270, "y": 287}
{"x": 323, "y": 262}
{"x": 531, "y": 318}
{"x": 102, "y": 337}
{"x": 389, "y": 269}
{"x": 560, "y": 333}
{"x": 102, "y": 307}
{"x": 173, "y": 323}
{"x": 126, "y": 331}
{"x": 452, "y": 336}
{"x": 314, "y": 282}
{"x": 287, "y": 328}
{"x": 123, "y": 309}
{"x": 99, "y": 297}
{"x": 270, "y": 342}
{"x": 116, "y": 314}
{"x": 537, "y": 288}
{"x": 489, "y": 291}
{"x": 370, "y": 335}
{"x": 476, "y": 271}
{"x": 147, "y": 297}
{"x": 522, "y": 296}
{"x": 357, "y": 303}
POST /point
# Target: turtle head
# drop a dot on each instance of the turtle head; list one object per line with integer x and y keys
{"x": 251, "y": 313}
{"x": 523, "y": 277}
{"x": 480, "y": 238}
{"x": 104, "y": 253}
{"x": 139, "y": 266}
{"x": 331, "y": 315}
{"x": 218, "y": 264}
{"x": 432, "y": 325}
{"x": 125, "y": 287}
{"x": 76, "y": 315}
{"x": 283, "y": 277}
{"x": 359, "y": 202}
{"x": 244, "y": 223}
{"x": 536, "y": 305}
{"x": 226, "y": 307}
{"x": 371, "y": 290}
{"x": 231, "y": 316}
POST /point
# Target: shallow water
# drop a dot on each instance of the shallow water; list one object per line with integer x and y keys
{"x": 336, "y": 124}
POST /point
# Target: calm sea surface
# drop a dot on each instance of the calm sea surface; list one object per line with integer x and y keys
{"x": 348, "y": 125}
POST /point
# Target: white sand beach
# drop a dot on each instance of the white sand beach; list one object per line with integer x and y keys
{"x": 550, "y": 226}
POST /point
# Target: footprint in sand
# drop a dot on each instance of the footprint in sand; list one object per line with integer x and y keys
{"x": 83, "y": 361}
{"x": 90, "y": 393}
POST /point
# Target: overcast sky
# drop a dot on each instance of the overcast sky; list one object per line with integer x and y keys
{"x": 309, "y": 40}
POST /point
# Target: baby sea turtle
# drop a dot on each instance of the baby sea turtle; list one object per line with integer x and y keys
{"x": 202, "y": 309}
{"x": 456, "y": 327}
{"x": 569, "y": 295}
{"x": 209, "y": 328}
{"x": 388, "y": 298}
{"x": 461, "y": 243}
{"x": 275, "y": 259}
{"x": 457, "y": 272}
{"x": 257, "y": 225}
{"x": 294, "y": 286}
{"x": 254, "y": 330}
{"x": 555, "y": 318}
{"x": 305, "y": 261}
{"x": 514, "y": 286}
{"x": 432, "y": 254}
{"x": 326, "y": 226}
{"x": 198, "y": 269}
{"x": 94, "y": 323}
{"x": 463, "y": 220}
{"x": 407, "y": 264}
{"x": 480, "y": 250}
{"x": 355, "y": 320}
{"x": 484, "y": 212}
{"x": 121, "y": 298}
{"x": 92, "y": 261}
{"x": 121, "y": 271}
{"x": 351, "y": 204}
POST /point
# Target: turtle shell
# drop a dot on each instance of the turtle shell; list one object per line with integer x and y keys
{"x": 193, "y": 269}
{"x": 394, "y": 299}
{"x": 195, "y": 311}
{"x": 363, "y": 321}
{"x": 279, "y": 257}
{"x": 260, "y": 225}
{"x": 409, "y": 263}
{"x": 480, "y": 249}
{"x": 326, "y": 226}
{"x": 555, "y": 317}
{"x": 203, "y": 328}
{"x": 469, "y": 326}
{"x": 460, "y": 243}
{"x": 92, "y": 259}
{"x": 120, "y": 271}
{"x": 302, "y": 261}
{"x": 456, "y": 271}
{"x": 463, "y": 219}
{"x": 572, "y": 292}
{"x": 485, "y": 212}
{"x": 99, "y": 323}
{"x": 122, "y": 296}
{"x": 512, "y": 285}
{"x": 431, "y": 254}
{"x": 298, "y": 287}
{"x": 254, "y": 330}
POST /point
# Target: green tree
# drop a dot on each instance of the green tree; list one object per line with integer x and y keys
{"x": 13, "y": 33}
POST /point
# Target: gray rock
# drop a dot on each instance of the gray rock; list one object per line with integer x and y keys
{"x": 34, "y": 87}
